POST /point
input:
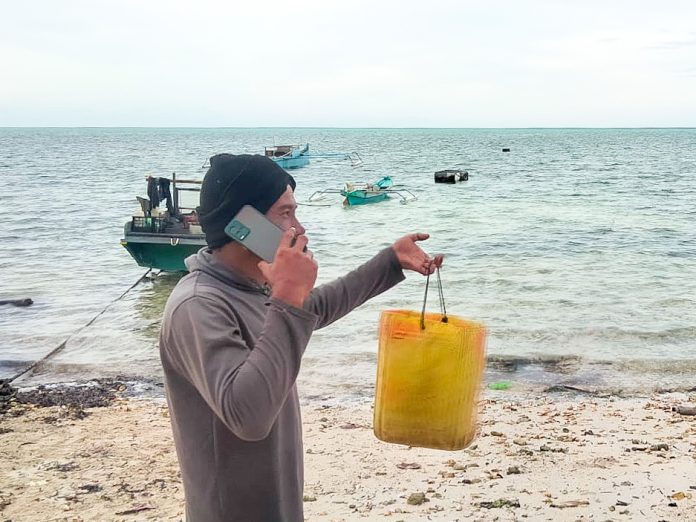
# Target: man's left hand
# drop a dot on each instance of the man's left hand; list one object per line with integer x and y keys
{"x": 412, "y": 257}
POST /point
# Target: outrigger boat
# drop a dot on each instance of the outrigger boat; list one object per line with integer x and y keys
{"x": 162, "y": 239}
{"x": 289, "y": 156}
{"x": 296, "y": 156}
{"x": 365, "y": 193}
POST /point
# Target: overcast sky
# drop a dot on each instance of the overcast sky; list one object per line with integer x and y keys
{"x": 328, "y": 63}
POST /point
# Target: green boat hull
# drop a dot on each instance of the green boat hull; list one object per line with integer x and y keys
{"x": 161, "y": 251}
{"x": 361, "y": 197}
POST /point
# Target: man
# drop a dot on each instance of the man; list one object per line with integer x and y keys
{"x": 233, "y": 335}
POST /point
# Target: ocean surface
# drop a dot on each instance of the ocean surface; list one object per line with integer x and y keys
{"x": 577, "y": 248}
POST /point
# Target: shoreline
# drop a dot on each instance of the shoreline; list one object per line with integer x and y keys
{"x": 136, "y": 386}
{"x": 93, "y": 453}
{"x": 325, "y": 373}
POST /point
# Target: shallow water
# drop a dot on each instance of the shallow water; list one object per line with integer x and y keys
{"x": 577, "y": 249}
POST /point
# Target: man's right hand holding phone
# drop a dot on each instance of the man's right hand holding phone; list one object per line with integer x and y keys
{"x": 293, "y": 272}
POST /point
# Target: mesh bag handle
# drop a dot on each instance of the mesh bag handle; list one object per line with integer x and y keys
{"x": 441, "y": 296}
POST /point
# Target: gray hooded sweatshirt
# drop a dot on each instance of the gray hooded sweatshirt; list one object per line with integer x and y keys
{"x": 231, "y": 354}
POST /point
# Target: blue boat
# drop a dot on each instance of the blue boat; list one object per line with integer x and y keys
{"x": 289, "y": 156}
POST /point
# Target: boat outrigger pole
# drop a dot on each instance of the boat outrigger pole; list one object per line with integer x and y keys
{"x": 354, "y": 157}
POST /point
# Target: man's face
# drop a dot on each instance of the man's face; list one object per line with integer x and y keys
{"x": 282, "y": 213}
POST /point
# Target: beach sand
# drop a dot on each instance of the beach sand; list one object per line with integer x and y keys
{"x": 550, "y": 457}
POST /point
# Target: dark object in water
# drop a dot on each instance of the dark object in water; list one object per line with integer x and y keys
{"x": 17, "y": 302}
{"x": 506, "y": 149}
{"x": 451, "y": 176}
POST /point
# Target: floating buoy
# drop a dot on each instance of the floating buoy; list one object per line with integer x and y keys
{"x": 451, "y": 176}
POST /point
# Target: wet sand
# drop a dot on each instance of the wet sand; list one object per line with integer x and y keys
{"x": 551, "y": 457}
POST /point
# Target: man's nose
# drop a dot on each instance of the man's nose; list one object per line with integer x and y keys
{"x": 299, "y": 229}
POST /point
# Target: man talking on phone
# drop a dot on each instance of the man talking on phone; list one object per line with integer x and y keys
{"x": 233, "y": 334}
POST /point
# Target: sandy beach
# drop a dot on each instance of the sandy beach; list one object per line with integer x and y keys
{"x": 552, "y": 457}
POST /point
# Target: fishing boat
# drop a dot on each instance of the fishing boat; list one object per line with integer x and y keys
{"x": 162, "y": 239}
{"x": 366, "y": 193}
{"x": 289, "y": 156}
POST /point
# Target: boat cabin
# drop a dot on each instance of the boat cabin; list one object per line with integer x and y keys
{"x": 278, "y": 151}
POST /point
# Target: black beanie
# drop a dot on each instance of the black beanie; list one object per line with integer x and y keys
{"x": 233, "y": 181}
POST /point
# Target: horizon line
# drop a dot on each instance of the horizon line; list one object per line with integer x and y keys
{"x": 326, "y": 127}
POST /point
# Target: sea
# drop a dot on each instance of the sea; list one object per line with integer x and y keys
{"x": 576, "y": 249}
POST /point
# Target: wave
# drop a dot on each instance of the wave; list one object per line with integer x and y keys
{"x": 553, "y": 363}
{"x": 568, "y": 362}
{"x": 609, "y": 333}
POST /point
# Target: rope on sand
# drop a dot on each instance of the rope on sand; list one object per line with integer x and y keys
{"x": 65, "y": 342}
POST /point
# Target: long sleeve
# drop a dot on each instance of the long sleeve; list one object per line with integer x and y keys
{"x": 335, "y": 299}
{"x": 245, "y": 387}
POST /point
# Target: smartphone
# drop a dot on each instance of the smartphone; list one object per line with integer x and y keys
{"x": 256, "y": 232}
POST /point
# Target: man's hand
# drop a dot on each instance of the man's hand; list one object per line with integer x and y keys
{"x": 293, "y": 271}
{"x": 412, "y": 257}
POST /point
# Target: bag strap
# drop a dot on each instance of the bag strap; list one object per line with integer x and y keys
{"x": 441, "y": 295}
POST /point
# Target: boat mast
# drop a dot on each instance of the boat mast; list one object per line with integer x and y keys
{"x": 175, "y": 194}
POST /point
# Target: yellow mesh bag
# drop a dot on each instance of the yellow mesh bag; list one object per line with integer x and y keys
{"x": 429, "y": 371}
